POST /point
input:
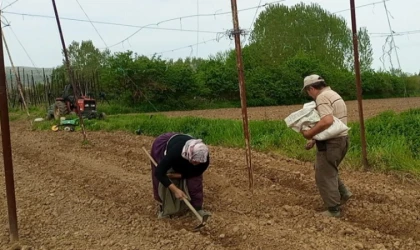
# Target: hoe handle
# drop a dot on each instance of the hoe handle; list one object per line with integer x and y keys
{"x": 193, "y": 210}
{"x": 170, "y": 175}
{"x": 150, "y": 157}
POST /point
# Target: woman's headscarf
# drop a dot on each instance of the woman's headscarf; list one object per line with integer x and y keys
{"x": 195, "y": 150}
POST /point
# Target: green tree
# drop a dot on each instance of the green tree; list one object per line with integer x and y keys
{"x": 218, "y": 78}
{"x": 85, "y": 56}
{"x": 365, "y": 50}
{"x": 280, "y": 32}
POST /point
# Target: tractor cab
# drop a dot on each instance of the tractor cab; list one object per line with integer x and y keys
{"x": 87, "y": 107}
{"x": 67, "y": 104}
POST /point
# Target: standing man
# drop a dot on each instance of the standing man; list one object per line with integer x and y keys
{"x": 330, "y": 152}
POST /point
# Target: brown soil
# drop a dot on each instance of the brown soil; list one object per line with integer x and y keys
{"x": 370, "y": 108}
{"x": 98, "y": 196}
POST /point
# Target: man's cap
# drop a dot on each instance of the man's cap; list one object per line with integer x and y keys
{"x": 311, "y": 79}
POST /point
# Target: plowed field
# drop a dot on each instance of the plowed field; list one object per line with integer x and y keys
{"x": 98, "y": 196}
{"x": 370, "y": 108}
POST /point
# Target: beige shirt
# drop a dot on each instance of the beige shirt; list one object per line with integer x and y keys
{"x": 328, "y": 102}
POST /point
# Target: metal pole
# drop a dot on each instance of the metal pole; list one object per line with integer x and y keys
{"x": 7, "y": 151}
{"x": 358, "y": 83}
{"x": 242, "y": 90}
{"x": 69, "y": 71}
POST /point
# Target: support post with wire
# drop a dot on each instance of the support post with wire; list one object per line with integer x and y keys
{"x": 358, "y": 83}
{"x": 7, "y": 151}
{"x": 19, "y": 83}
{"x": 69, "y": 71}
{"x": 242, "y": 90}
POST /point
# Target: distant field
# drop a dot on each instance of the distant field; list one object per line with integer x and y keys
{"x": 38, "y": 75}
{"x": 370, "y": 108}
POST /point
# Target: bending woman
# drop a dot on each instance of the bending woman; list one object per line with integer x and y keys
{"x": 181, "y": 161}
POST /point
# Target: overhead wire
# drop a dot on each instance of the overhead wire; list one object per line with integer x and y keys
{"x": 184, "y": 47}
{"x": 399, "y": 33}
{"x": 221, "y": 13}
{"x": 108, "y": 23}
{"x": 146, "y": 26}
{"x": 393, "y": 46}
{"x": 91, "y": 23}
{"x": 253, "y": 20}
{"x": 360, "y": 6}
{"x": 26, "y": 52}
{"x": 198, "y": 26}
{"x": 5, "y": 23}
{"x": 24, "y": 49}
{"x": 167, "y": 20}
{"x": 191, "y": 16}
{"x": 9, "y": 4}
{"x": 376, "y": 35}
{"x": 197, "y": 31}
{"x": 14, "y": 69}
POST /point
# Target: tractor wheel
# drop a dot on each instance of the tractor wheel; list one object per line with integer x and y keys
{"x": 69, "y": 128}
{"x": 49, "y": 116}
{"x": 50, "y": 112}
{"x": 60, "y": 109}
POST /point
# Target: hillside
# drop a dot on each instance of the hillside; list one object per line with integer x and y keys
{"x": 27, "y": 71}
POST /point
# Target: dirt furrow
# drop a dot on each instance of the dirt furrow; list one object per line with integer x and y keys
{"x": 98, "y": 196}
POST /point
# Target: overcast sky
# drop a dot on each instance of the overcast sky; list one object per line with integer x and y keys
{"x": 40, "y": 36}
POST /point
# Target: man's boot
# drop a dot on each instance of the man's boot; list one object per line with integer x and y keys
{"x": 332, "y": 212}
{"x": 345, "y": 194}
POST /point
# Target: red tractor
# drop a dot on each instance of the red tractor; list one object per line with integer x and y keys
{"x": 67, "y": 104}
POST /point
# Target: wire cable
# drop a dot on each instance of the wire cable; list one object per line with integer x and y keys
{"x": 9, "y": 4}
{"x": 24, "y": 49}
{"x": 361, "y": 6}
{"x": 374, "y": 35}
{"x": 167, "y": 20}
{"x": 91, "y": 23}
{"x": 191, "y": 16}
{"x": 184, "y": 47}
{"x": 198, "y": 26}
{"x": 108, "y": 23}
{"x": 392, "y": 35}
{"x": 253, "y": 20}
{"x": 399, "y": 33}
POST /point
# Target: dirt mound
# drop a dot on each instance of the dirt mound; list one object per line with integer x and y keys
{"x": 98, "y": 196}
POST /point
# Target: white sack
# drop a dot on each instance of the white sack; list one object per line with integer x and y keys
{"x": 307, "y": 118}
